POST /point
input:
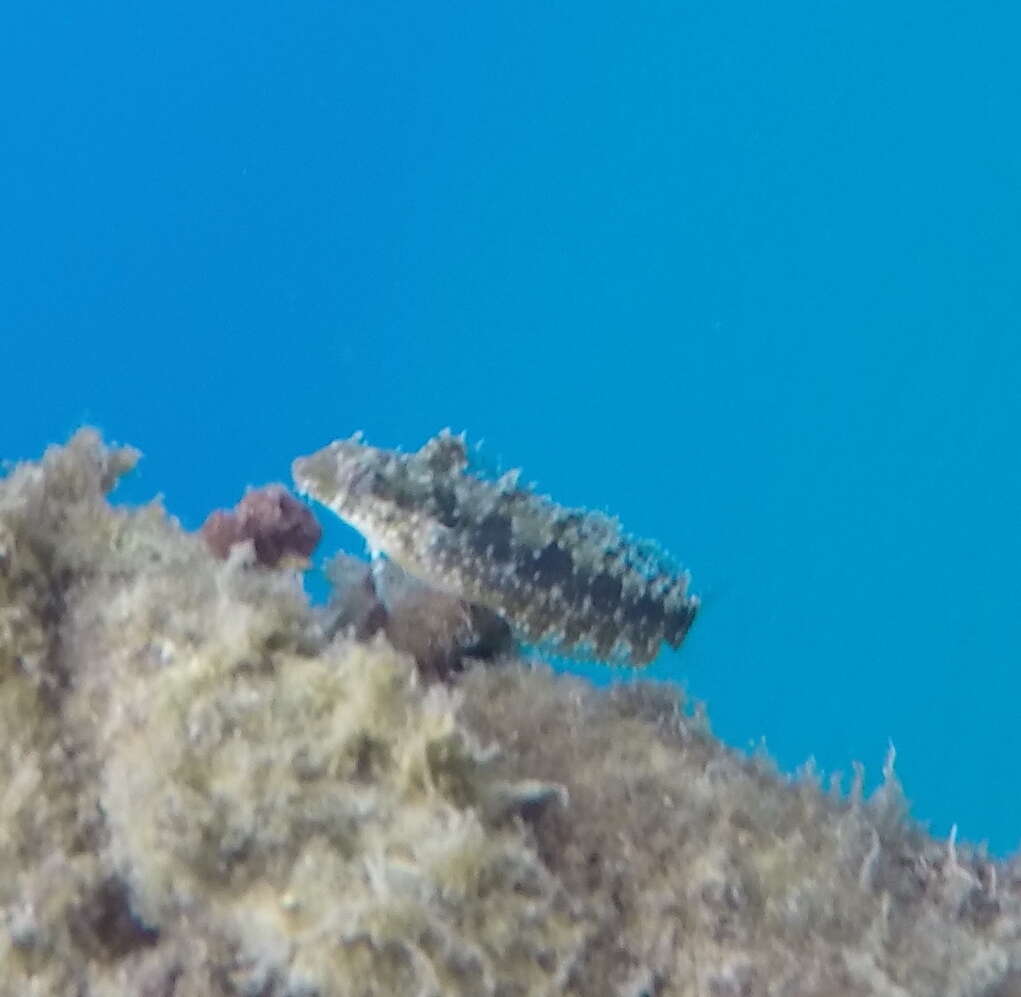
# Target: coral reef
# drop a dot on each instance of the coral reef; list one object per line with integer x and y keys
{"x": 568, "y": 579}
{"x": 207, "y": 787}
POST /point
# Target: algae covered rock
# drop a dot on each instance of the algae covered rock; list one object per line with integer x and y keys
{"x": 205, "y": 789}
{"x": 213, "y": 799}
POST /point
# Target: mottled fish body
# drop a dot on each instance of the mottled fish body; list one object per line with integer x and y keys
{"x": 565, "y": 578}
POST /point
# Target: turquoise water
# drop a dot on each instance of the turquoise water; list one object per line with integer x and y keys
{"x": 745, "y": 276}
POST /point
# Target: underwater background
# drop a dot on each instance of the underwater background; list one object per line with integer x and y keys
{"x": 745, "y": 276}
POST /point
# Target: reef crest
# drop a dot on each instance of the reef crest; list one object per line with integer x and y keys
{"x": 207, "y": 790}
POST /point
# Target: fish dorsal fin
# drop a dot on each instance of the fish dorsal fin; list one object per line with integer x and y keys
{"x": 445, "y": 452}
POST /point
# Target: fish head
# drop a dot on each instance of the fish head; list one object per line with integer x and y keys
{"x": 372, "y": 490}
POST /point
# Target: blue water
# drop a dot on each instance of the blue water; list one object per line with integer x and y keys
{"x": 746, "y": 275}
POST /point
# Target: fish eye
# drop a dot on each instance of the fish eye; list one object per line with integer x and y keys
{"x": 364, "y": 478}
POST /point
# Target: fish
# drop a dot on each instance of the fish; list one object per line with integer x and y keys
{"x": 567, "y": 580}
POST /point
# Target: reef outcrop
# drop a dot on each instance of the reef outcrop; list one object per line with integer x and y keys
{"x": 207, "y": 787}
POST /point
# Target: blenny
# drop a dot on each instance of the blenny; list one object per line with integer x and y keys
{"x": 566, "y": 579}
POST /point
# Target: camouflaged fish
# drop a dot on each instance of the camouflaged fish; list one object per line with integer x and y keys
{"x": 566, "y": 579}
